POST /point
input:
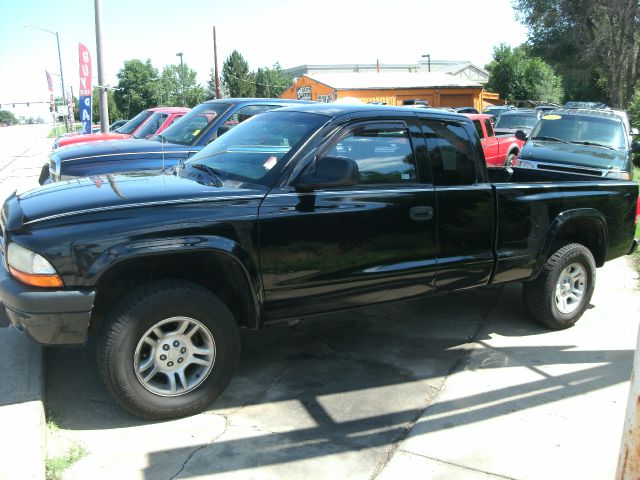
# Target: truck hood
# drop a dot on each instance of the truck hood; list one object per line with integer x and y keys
{"x": 114, "y": 192}
{"x": 573, "y": 154}
{"x": 116, "y": 148}
{"x": 91, "y": 137}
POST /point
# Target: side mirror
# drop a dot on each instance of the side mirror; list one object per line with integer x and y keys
{"x": 635, "y": 131}
{"x": 635, "y": 147}
{"x": 520, "y": 135}
{"x": 329, "y": 172}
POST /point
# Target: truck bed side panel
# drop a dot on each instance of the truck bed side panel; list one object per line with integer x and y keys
{"x": 526, "y": 212}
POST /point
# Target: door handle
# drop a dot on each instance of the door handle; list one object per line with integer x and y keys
{"x": 421, "y": 213}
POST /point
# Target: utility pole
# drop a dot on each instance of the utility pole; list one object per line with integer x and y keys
{"x": 184, "y": 99}
{"x": 104, "y": 105}
{"x": 215, "y": 63}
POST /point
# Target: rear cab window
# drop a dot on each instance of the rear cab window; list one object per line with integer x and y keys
{"x": 450, "y": 152}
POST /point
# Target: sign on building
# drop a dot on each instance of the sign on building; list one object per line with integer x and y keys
{"x": 325, "y": 98}
{"x": 304, "y": 93}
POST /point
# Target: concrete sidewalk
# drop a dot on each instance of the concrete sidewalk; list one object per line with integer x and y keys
{"x": 25, "y": 148}
{"x": 461, "y": 387}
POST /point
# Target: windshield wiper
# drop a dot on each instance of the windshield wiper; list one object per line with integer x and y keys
{"x": 553, "y": 139}
{"x": 595, "y": 144}
{"x": 213, "y": 173}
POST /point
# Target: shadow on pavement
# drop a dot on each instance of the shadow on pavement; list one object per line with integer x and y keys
{"x": 355, "y": 381}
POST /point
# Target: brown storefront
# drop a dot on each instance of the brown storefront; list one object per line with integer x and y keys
{"x": 438, "y": 89}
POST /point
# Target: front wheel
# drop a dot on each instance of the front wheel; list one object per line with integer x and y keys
{"x": 562, "y": 291}
{"x": 168, "y": 349}
{"x": 511, "y": 159}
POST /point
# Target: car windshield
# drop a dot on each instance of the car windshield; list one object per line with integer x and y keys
{"x": 251, "y": 150}
{"x": 130, "y": 127}
{"x": 516, "y": 121}
{"x": 186, "y": 131}
{"x": 582, "y": 129}
{"x": 151, "y": 126}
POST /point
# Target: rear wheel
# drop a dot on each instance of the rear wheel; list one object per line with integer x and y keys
{"x": 562, "y": 291}
{"x": 168, "y": 349}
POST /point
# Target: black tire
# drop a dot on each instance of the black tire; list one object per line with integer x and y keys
{"x": 132, "y": 319}
{"x": 511, "y": 158}
{"x": 540, "y": 298}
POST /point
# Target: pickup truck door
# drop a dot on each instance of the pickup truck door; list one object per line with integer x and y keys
{"x": 465, "y": 219}
{"x": 351, "y": 246}
{"x": 488, "y": 140}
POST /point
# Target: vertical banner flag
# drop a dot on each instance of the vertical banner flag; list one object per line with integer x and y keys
{"x": 85, "y": 88}
{"x": 50, "y": 85}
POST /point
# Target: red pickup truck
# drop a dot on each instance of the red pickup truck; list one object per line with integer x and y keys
{"x": 498, "y": 150}
{"x": 144, "y": 125}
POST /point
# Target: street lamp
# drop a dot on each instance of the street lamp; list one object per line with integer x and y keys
{"x": 64, "y": 96}
{"x": 184, "y": 100}
{"x": 428, "y": 61}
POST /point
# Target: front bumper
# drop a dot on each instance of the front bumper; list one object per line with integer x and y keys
{"x": 49, "y": 317}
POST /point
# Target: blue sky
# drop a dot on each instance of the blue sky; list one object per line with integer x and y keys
{"x": 264, "y": 32}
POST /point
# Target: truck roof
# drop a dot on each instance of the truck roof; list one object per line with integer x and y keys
{"x": 337, "y": 109}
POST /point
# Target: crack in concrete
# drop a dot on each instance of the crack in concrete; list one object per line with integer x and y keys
{"x": 201, "y": 447}
{"x": 460, "y": 466}
{"x": 465, "y": 355}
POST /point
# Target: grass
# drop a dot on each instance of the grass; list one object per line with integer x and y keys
{"x": 56, "y": 466}
{"x": 60, "y": 129}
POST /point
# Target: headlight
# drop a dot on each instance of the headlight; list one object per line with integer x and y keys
{"x": 618, "y": 175}
{"x": 30, "y": 268}
{"x": 524, "y": 164}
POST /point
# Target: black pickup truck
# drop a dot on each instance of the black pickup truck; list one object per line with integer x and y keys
{"x": 301, "y": 210}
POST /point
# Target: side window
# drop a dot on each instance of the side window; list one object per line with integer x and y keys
{"x": 489, "y": 127}
{"x": 247, "y": 112}
{"x": 382, "y": 151}
{"x": 476, "y": 123}
{"x": 450, "y": 152}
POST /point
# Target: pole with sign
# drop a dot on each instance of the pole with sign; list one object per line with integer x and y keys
{"x": 85, "y": 88}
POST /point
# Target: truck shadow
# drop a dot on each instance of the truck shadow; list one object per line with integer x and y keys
{"x": 348, "y": 382}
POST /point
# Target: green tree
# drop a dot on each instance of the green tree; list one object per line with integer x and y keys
{"x": 271, "y": 82}
{"x": 138, "y": 87}
{"x": 7, "y": 117}
{"x": 593, "y": 44}
{"x": 516, "y": 75}
{"x": 170, "y": 87}
{"x": 238, "y": 81}
{"x": 114, "y": 112}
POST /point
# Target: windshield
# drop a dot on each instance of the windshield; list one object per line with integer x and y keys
{"x": 152, "y": 125}
{"x": 516, "y": 121}
{"x": 582, "y": 129}
{"x": 129, "y": 127}
{"x": 251, "y": 150}
{"x": 186, "y": 131}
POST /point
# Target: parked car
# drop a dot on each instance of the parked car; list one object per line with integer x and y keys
{"x": 497, "y": 110}
{"x": 307, "y": 209}
{"x": 546, "y": 108}
{"x": 144, "y": 125}
{"x": 177, "y": 143}
{"x": 498, "y": 149}
{"x": 465, "y": 110}
{"x": 586, "y": 105}
{"x": 589, "y": 142}
{"x": 517, "y": 119}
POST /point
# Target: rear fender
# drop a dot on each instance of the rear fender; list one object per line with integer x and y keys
{"x": 565, "y": 223}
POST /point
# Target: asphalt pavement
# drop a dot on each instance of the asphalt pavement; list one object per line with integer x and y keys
{"x": 461, "y": 387}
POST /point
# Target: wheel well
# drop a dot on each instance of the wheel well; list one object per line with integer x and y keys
{"x": 216, "y": 272}
{"x": 585, "y": 231}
